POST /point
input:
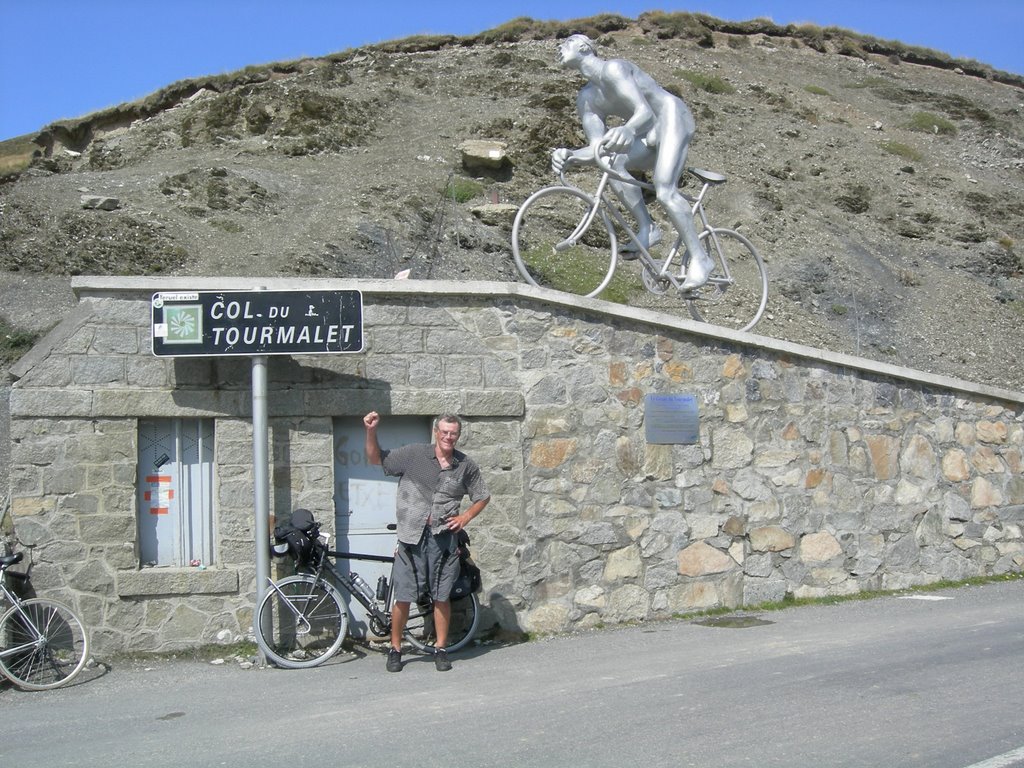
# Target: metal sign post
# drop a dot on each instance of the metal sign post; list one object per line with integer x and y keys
{"x": 260, "y": 477}
{"x": 257, "y": 324}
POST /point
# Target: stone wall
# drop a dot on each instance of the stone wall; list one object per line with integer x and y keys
{"x": 814, "y": 474}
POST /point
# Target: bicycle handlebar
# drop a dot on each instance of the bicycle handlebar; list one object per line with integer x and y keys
{"x": 602, "y": 157}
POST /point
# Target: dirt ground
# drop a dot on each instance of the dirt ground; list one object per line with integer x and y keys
{"x": 886, "y": 196}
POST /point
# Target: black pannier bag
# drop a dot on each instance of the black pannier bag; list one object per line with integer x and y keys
{"x": 297, "y": 537}
{"x": 468, "y": 580}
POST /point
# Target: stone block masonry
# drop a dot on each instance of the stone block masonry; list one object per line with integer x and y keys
{"x": 815, "y": 474}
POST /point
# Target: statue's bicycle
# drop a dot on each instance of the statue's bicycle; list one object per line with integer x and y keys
{"x": 563, "y": 237}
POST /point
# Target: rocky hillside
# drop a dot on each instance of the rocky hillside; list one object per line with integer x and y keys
{"x": 884, "y": 183}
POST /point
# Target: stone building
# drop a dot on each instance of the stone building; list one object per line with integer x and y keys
{"x": 812, "y": 473}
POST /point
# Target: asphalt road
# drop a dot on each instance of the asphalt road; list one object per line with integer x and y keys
{"x": 932, "y": 680}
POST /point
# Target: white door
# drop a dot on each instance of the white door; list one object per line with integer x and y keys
{"x": 364, "y": 497}
{"x": 175, "y": 492}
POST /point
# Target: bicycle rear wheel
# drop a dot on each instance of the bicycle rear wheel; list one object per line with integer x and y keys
{"x": 465, "y": 617}
{"x": 301, "y": 622}
{"x": 559, "y": 242}
{"x": 737, "y": 290}
{"x": 42, "y": 644}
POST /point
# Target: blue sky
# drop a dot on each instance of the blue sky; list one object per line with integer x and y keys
{"x": 68, "y": 58}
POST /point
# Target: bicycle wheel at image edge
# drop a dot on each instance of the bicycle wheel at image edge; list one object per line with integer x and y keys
{"x": 49, "y": 659}
{"x": 465, "y": 617}
{"x": 554, "y": 246}
{"x": 737, "y": 301}
{"x": 301, "y": 622}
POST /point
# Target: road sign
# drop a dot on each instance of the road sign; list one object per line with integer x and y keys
{"x": 216, "y": 323}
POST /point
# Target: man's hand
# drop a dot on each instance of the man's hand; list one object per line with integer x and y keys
{"x": 560, "y": 160}
{"x": 373, "y": 452}
{"x": 619, "y": 139}
{"x": 456, "y": 524}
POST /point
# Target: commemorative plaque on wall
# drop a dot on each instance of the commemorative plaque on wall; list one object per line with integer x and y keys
{"x": 671, "y": 419}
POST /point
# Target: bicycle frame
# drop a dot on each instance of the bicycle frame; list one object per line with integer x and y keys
{"x": 324, "y": 563}
{"x": 383, "y": 617}
{"x": 651, "y": 265}
{"x": 11, "y": 598}
{"x": 733, "y": 292}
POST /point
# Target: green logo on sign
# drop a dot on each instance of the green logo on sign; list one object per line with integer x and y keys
{"x": 184, "y": 324}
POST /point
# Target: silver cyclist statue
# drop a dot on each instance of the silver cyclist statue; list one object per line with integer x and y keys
{"x": 655, "y": 136}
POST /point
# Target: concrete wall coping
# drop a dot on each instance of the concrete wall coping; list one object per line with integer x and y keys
{"x": 91, "y": 287}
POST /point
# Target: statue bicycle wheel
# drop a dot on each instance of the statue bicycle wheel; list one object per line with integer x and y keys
{"x": 561, "y": 239}
{"x": 736, "y": 293}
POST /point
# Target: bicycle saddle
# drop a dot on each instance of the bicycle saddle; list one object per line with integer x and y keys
{"x": 6, "y": 560}
{"x": 708, "y": 177}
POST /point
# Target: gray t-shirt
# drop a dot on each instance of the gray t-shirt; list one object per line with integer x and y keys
{"x": 427, "y": 492}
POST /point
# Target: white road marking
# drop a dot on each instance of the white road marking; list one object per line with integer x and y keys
{"x": 924, "y": 597}
{"x": 1001, "y": 761}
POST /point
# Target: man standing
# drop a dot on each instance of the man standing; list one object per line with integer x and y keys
{"x": 433, "y": 479}
{"x": 654, "y": 136}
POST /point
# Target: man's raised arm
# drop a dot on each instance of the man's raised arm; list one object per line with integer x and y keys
{"x": 370, "y": 421}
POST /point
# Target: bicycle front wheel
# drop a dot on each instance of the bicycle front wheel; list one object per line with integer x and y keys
{"x": 736, "y": 292}
{"x": 559, "y": 241}
{"x": 465, "y": 617}
{"x": 301, "y": 622}
{"x": 42, "y": 644}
